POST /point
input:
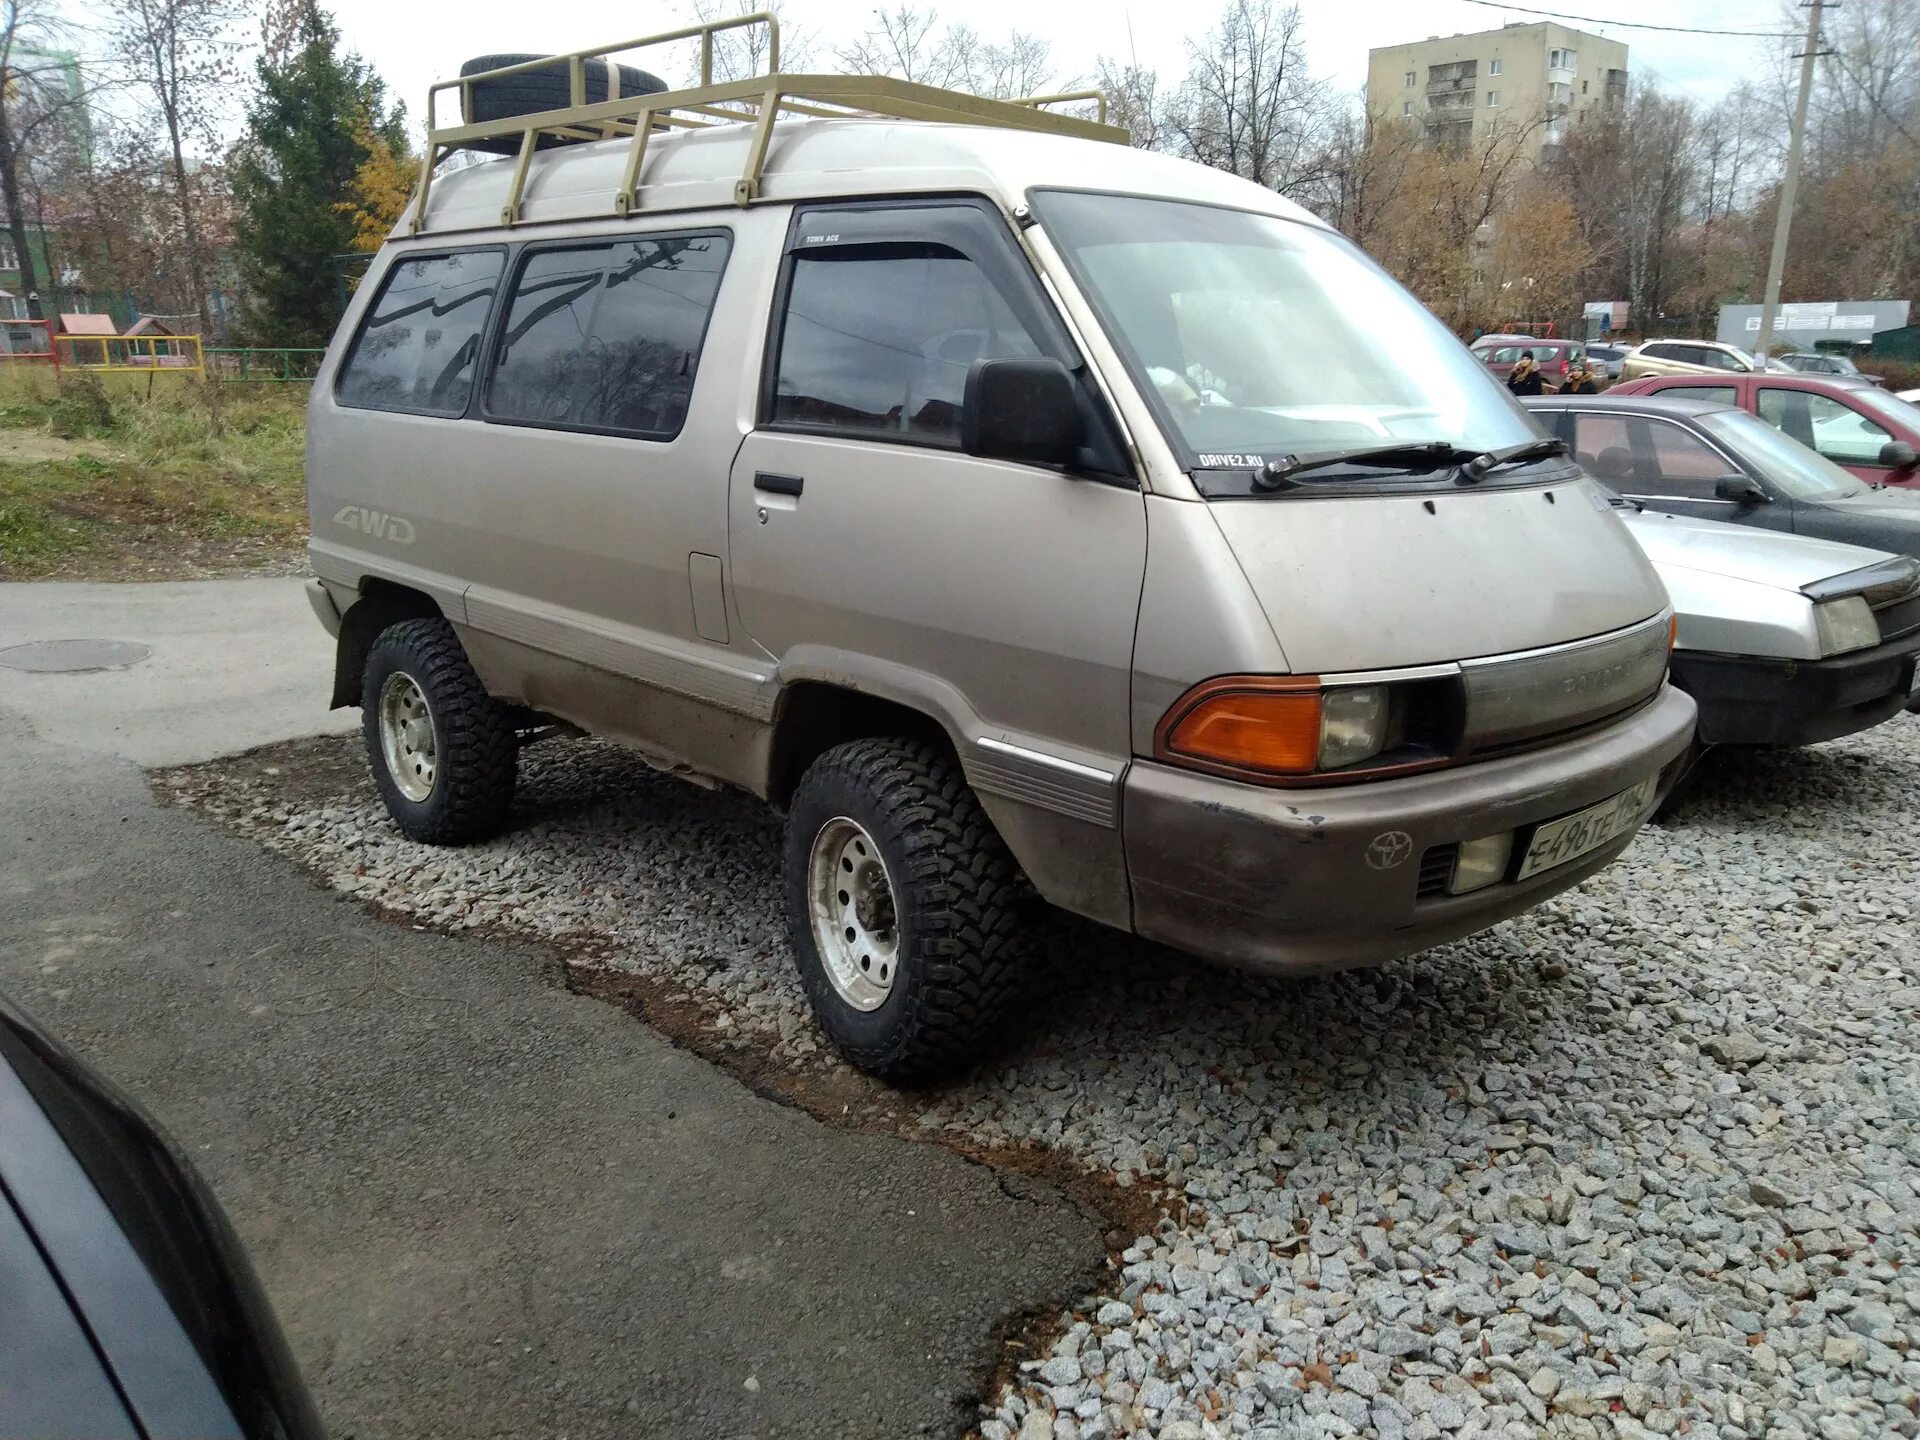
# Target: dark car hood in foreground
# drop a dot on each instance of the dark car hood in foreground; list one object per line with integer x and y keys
{"x": 132, "y": 1309}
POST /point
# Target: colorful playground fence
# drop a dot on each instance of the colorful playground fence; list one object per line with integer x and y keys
{"x": 132, "y": 354}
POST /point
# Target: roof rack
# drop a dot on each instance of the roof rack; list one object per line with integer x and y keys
{"x": 758, "y": 101}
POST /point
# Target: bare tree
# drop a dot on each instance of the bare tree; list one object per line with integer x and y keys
{"x": 742, "y": 53}
{"x": 906, "y": 41}
{"x": 1869, "y": 87}
{"x": 183, "y": 55}
{"x": 1134, "y": 102}
{"x": 40, "y": 92}
{"x": 1248, "y": 104}
{"x": 1634, "y": 174}
{"x": 1019, "y": 66}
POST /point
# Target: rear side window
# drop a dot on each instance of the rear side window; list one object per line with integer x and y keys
{"x": 607, "y": 337}
{"x": 416, "y": 348}
{"x": 878, "y": 340}
{"x": 1720, "y": 394}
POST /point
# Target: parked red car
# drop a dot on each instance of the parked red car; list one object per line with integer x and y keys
{"x": 1862, "y": 429}
{"x": 1500, "y": 353}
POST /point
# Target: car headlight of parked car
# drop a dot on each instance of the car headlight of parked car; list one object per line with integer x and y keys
{"x": 1845, "y": 624}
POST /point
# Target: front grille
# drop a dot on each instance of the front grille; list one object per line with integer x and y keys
{"x": 1902, "y": 617}
{"x": 1436, "y": 869}
{"x": 1516, "y": 701}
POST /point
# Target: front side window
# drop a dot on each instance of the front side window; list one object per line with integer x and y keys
{"x": 416, "y": 348}
{"x": 1493, "y": 99}
{"x": 1823, "y": 424}
{"x": 1786, "y": 464}
{"x": 1257, "y": 336}
{"x": 607, "y": 337}
{"x": 878, "y": 338}
{"x": 1642, "y": 456}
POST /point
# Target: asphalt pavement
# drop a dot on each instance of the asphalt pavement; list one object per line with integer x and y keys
{"x": 481, "y": 1204}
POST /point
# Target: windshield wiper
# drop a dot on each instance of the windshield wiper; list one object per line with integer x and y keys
{"x": 1412, "y": 454}
{"x": 1484, "y": 464}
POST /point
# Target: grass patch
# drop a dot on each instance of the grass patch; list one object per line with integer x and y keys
{"x": 116, "y": 483}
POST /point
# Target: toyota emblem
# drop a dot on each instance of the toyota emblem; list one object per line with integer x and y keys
{"x": 1388, "y": 849}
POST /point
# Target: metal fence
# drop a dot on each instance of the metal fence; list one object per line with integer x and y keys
{"x": 132, "y": 354}
{"x": 28, "y": 342}
{"x": 35, "y": 342}
{"x": 262, "y": 364}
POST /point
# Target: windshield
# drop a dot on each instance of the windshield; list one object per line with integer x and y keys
{"x": 1257, "y": 337}
{"x": 1787, "y": 464}
{"x": 1903, "y": 413}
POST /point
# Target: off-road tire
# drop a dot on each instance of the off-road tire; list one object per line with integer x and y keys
{"x": 478, "y": 749}
{"x": 963, "y": 909}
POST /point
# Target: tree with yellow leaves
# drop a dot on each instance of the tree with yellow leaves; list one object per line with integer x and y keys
{"x": 381, "y": 186}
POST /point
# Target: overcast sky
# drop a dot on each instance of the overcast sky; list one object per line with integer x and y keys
{"x": 413, "y": 42}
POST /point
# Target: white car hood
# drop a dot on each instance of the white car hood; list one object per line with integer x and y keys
{"x": 1735, "y": 589}
{"x": 1742, "y": 552}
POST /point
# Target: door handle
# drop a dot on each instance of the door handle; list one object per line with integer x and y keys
{"x": 778, "y": 484}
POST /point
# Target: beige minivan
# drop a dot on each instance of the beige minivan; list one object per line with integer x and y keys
{"x": 1026, "y": 516}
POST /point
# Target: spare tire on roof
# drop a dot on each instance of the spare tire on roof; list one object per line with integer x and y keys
{"x": 547, "y": 88}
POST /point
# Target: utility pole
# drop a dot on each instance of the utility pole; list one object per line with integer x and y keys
{"x": 1796, "y": 142}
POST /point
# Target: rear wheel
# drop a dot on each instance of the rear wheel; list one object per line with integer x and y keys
{"x": 442, "y": 750}
{"x": 907, "y": 912}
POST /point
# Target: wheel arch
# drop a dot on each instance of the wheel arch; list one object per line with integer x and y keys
{"x": 812, "y": 716}
{"x": 381, "y": 603}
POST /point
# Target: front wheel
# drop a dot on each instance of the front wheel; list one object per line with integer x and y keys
{"x": 907, "y": 912}
{"x": 443, "y": 751}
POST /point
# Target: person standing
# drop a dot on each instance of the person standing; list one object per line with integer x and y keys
{"x": 1579, "y": 379}
{"x": 1525, "y": 379}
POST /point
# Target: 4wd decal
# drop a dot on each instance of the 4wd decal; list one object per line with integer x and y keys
{"x": 375, "y": 524}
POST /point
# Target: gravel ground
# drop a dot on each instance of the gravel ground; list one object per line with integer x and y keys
{"x": 1642, "y": 1161}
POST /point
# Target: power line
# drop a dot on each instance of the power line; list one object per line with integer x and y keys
{"x": 1633, "y": 24}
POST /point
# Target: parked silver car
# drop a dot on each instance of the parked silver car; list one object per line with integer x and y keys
{"x": 1783, "y": 639}
{"x": 962, "y": 490}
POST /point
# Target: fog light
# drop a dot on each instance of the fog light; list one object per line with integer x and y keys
{"x": 1480, "y": 862}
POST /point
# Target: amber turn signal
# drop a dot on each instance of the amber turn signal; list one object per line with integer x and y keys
{"x": 1273, "y": 732}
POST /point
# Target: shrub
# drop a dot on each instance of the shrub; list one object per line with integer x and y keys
{"x": 81, "y": 406}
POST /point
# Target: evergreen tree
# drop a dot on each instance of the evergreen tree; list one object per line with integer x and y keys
{"x": 312, "y": 128}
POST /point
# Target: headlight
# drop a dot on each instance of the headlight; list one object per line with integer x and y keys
{"x": 1845, "y": 624}
{"x": 1353, "y": 726}
{"x": 1280, "y": 728}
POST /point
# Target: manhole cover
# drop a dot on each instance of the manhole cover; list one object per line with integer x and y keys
{"x": 74, "y": 656}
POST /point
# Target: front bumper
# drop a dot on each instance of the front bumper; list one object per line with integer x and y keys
{"x": 1748, "y": 700}
{"x": 1291, "y": 881}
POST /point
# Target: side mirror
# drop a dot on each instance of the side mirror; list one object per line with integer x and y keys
{"x": 1898, "y": 455}
{"x": 1025, "y": 409}
{"x": 1740, "y": 489}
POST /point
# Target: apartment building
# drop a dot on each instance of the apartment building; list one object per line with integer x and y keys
{"x": 1536, "y": 78}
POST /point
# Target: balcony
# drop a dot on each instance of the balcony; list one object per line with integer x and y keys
{"x": 1451, "y": 79}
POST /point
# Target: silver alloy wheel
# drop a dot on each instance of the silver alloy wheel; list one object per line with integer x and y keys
{"x": 856, "y": 925}
{"x": 408, "y": 741}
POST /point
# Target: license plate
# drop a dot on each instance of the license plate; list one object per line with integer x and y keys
{"x": 1575, "y": 835}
